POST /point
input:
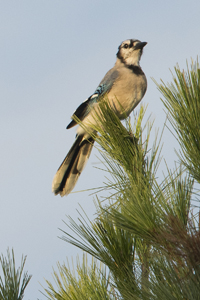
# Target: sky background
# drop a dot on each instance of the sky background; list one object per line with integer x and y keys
{"x": 53, "y": 54}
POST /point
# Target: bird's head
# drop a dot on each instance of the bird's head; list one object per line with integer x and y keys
{"x": 130, "y": 51}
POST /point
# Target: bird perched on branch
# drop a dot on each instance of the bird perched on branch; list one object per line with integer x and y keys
{"x": 124, "y": 86}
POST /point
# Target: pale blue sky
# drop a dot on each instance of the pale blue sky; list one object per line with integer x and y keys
{"x": 53, "y": 54}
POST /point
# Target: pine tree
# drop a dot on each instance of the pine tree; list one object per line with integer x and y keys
{"x": 146, "y": 236}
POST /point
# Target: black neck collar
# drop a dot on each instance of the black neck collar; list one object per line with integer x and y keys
{"x": 136, "y": 69}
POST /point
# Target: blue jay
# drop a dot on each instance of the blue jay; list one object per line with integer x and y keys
{"x": 124, "y": 86}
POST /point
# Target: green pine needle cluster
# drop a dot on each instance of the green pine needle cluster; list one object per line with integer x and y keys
{"x": 182, "y": 101}
{"x": 88, "y": 283}
{"x": 12, "y": 284}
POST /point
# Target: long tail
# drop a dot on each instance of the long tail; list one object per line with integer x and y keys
{"x": 72, "y": 166}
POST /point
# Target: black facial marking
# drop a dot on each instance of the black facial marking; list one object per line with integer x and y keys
{"x": 119, "y": 54}
{"x": 131, "y": 43}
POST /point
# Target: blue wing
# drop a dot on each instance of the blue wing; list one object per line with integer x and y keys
{"x": 104, "y": 87}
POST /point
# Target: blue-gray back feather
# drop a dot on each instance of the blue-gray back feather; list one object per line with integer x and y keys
{"x": 104, "y": 87}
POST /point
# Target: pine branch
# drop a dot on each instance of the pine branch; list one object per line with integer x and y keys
{"x": 182, "y": 101}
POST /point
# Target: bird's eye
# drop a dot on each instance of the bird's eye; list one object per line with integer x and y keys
{"x": 125, "y": 46}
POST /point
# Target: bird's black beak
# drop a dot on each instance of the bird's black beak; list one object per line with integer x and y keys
{"x": 140, "y": 45}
